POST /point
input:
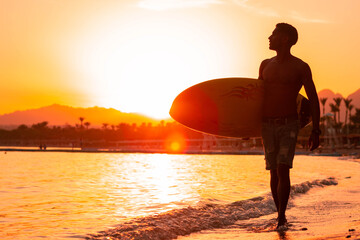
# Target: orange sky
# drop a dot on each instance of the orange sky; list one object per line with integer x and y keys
{"x": 137, "y": 55}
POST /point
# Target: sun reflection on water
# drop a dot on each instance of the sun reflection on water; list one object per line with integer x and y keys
{"x": 155, "y": 183}
{"x": 64, "y": 195}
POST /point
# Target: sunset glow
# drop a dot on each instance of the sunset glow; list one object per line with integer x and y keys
{"x": 136, "y": 56}
{"x": 175, "y": 143}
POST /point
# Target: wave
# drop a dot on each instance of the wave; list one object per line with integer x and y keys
{"x": 180, "y": 222}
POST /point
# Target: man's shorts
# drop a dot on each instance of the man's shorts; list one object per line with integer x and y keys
{"x": 279, "y": 141}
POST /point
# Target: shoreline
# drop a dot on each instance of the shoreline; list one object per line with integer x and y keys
{"x": 354, "y": 153}
{"x": 37, "y": 167}
{"x": 330, "y": 213}
{"x": 242, "y": 152}
{"x": 197, "y": 220}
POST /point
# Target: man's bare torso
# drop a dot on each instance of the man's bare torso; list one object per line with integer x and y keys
{"x": 282, "y": 83}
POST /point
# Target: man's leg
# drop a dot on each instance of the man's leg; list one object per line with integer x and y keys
{"x": 283, "y": 191}
{"x": 285, "y": 157}
{"x": 274, "y": 182}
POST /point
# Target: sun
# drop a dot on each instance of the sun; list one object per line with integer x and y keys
{"x": 142, "y": 63}
{"x": 175, "y": 143}
{"x": 175, "y": 146}
{"x": 145, "y": 75}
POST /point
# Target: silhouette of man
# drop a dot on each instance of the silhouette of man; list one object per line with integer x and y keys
{"x": 283, "y": 77}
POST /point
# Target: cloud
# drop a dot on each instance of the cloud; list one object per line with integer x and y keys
{"x": 297, "y": 16}
{"x": 279, "y": 10}
{"x": 261, "y": 10}
{"x": 160, "y": 5}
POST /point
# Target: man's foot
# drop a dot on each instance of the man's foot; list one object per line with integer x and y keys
{"x": 282, "y": 224}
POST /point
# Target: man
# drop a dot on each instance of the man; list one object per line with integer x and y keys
{"x": 283, "y": 77}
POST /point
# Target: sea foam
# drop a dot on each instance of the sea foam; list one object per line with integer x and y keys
{"x": 180, "y": 222}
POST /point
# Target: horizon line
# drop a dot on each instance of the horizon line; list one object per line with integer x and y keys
{"x": 138, "y": 113}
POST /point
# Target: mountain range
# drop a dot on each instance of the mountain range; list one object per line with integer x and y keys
{"x": 330, "y": 95}
{"x": 61, "y": 115}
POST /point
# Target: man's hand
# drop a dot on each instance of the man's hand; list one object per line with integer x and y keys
{"x": 313, "y": 141}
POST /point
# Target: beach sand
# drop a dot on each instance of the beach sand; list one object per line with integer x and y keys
{"x": 332, "y": 212}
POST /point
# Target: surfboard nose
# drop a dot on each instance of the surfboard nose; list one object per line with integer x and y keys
{"x": 228, "y": 107}
{"x": 196, "y": 109}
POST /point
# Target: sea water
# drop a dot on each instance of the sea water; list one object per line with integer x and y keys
{"x": 57, "y": 195}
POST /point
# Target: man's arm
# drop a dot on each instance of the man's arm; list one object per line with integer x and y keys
{"x": 314, "y": 104}
{"x": 261, "y": 69}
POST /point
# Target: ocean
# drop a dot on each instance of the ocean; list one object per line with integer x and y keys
{"x": 59, "y": 195}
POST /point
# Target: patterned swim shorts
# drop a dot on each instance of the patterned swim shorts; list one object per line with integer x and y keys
{"x": 279, "y": 141}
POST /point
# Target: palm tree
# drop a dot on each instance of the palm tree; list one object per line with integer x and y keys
{"x": 87, "y": 124}
{"x": 323, "y": 101}
{"x": 338, "y": 103}
{"x": 105, "y": 125}
{"x": 347, "y": 102}
{"x": 350, "y": 109}
{"x": 347, "y": 105}
{"x": 81, "y": 121}
{"x": 334, "y": 110}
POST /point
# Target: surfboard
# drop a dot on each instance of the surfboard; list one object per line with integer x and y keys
{"x": 227, "y": 107}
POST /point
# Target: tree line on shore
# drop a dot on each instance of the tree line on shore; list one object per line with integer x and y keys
{"x": 335, "y": 111}
{"x": 351, "y": 122}
{"x": 147, "y": 131}
{"x": 121, "y": 132}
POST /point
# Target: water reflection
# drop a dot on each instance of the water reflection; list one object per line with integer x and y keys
{"x": 160, "y": 178}
{"x": 149, "y": 183}
{"x": 66, "y": 194}
{"x": 283, "y": 236}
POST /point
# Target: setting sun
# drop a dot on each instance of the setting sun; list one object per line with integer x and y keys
{"x": 175, "y": 143}
{"x": 141, "y": 63}
{"x": 136, "y": 56}
{"x": 175, "y": 146}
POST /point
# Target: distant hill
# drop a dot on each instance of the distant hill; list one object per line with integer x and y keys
{"x": 326, "y": 93}
{"x": 61, "y": 115}
{"x": 355, "y": 98}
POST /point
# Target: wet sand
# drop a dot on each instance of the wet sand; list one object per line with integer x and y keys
{"x": 322, "y": 213}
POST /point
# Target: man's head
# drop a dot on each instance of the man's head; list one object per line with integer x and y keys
{"x": 284, "y": 33}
